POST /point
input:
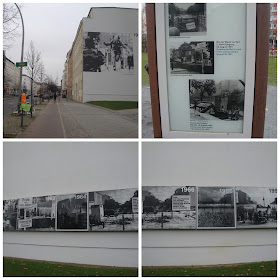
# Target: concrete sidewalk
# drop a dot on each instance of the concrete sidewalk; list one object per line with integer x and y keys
{"x": 82, "y": 120}
{"x": 47, "y": 125}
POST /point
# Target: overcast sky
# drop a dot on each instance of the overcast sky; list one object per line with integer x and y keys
{"x": 52, "y": 28}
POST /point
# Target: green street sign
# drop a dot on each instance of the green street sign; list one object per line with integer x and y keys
{"x": 21, "y": 64}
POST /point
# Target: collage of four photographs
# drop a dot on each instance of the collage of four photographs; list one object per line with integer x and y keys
{"x": 117, "y": 79}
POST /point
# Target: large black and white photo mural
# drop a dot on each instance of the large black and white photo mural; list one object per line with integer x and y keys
{"x": 108, "y": 52}
{"x": 256, "y": 207}
{"x": 216, "y": 207}
{"x": 72, "y": 212}
{"x": 115, "y": 210}
{"x": 169, "y": 207}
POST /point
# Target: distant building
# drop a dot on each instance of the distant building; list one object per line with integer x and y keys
{"x": 97, "y": 67}
{"x": 11, "y": 76}
{"x": 273, "y": 30}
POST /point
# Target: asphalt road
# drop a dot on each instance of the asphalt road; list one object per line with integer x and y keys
{"x": 10, "y": 103}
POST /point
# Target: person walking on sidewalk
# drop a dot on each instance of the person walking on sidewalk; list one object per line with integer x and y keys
{"x": 54, "y": 97}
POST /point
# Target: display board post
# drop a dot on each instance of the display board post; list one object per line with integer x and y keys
{"x": 262, "y": 53}
{"x": 153, "y": 75}
{"x": 261, "y": 70}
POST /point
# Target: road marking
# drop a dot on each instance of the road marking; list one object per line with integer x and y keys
{"x": 63, "y": 129}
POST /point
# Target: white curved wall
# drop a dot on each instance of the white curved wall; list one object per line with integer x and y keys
{"x": 61, "y": 168}
{"x": 208, "y": 164}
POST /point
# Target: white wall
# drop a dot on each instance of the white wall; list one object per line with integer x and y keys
{"x": 61, "y": 168}
{"x": 208, "y": 164}
{"x": 112, "y": 85}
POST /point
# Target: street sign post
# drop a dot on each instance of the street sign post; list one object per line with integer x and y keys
{"x": 21, "y": 64}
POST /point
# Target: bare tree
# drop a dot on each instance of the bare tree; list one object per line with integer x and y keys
{"x": 33, "y": 58}
{"x": 41, "y": 75}
{"x": 10, "y": 24}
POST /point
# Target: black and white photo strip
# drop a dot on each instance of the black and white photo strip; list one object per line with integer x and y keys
{"x": 77, "y": 204}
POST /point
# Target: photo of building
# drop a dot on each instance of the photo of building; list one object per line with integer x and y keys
{"x": 256, "y": 207}
{"x": 216, "y": 207}
{"x": 10, "y": 214}
{"x": 185, "y": 18}
{"x": 192, "y": 58}
{"x": 72, "y": 212}
{"x": 115, "y": 210}
{"x": 169, "y": 207}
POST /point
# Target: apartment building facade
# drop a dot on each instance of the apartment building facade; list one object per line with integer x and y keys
{"x": 103, "y": 59}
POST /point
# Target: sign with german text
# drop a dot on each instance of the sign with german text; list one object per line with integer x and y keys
{"x": 181, "y": 202}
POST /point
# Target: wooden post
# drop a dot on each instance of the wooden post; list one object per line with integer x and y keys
{"x": 261, "y": 75}
{"x": 153, "y": 74}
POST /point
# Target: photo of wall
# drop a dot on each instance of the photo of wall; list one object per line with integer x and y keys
{"x": 115, "y": 210}
{"x": 10, "y": 214}
{"x": 72, "y": 212}
{"x": 192, "y": 58}
{"x": 216, "y": 207}
{"x": 108, "y": 52}
{"x": 186, "y": 18}
{"x": 169, "y": 207}
{"x": 217, "y": 100}
{"x": 256, "y": 207}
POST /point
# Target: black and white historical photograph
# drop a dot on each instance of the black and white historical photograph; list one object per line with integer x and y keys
{"x": 72, "y": 212}
{"x": 256, "y": 207}
{"x": 169, "y": 207}
{"x": 217, "y": 100}
{"x": 43, "y": 218}
{"x": 26, "y": 210}
{"x": 113, "y": 210}
{"x": 192, "y": 58}
{"x": 186, "y": 19}
{"x": 10, "y": 214}
{"x": 216, "y": 207}
{"x": 108, "y": 52}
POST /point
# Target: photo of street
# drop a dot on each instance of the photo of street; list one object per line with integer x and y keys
{"x": 108, "y": 52}
{"x": 186, "y": 19}
{"x": 115, "y": 210}
{"x": 192, "y": 58}
{"x": 10, "y": 214}
{"x": 217, "y": 100}
{"x": 256, "y": 207}
{"x": 169, "y": 207}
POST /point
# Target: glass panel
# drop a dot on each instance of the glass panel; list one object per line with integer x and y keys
{"x": 206, "y": 53}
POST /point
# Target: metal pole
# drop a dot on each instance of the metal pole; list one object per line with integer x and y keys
{"x": 22, "y": 49}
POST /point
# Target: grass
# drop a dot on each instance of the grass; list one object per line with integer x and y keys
{"x": 116, "y": 105}
{"x": 19, "y": 267}
{"x": 272, "y": 71}
{"x": 145, "y": 76}
{"x": 250, "y": 269}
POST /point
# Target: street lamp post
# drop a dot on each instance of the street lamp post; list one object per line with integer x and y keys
{"x": 22, "y": 49}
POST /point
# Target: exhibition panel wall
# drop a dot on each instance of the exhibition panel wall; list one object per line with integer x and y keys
{"x": 60, "y": 169}
{"x": 238, "y": 166}
{"x": 112, "y": 73}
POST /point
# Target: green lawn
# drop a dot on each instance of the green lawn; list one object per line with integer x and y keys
{"x": 19, "y": 267}
{"x": 252, "y": 269}
{"x": 272, "y": 71}
{"x": 145, "y": 76}
{"x": 116, "y": 105}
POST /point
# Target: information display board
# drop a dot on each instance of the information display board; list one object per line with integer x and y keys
{"x": 206, "y": 65}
